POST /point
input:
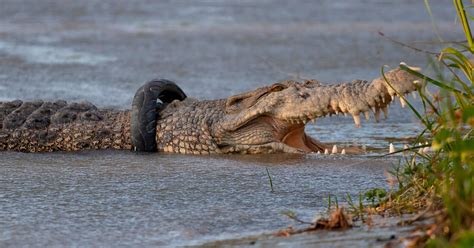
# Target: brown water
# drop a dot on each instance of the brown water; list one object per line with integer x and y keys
{"x": 101, "y": 51}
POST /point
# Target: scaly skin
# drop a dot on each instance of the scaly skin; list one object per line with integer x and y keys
{"x": 267, "y": 120}
{"x": 46, "y": 127}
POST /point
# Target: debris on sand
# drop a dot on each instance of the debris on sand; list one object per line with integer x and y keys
{"x": 337, "y": 221}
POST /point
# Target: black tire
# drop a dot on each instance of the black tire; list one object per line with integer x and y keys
{"x": 145, "y": 110}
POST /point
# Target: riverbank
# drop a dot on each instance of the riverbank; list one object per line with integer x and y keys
{"x": 381, "y": 232}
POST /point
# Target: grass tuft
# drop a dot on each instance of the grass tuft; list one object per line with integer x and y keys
{"x": 441, "y": 182}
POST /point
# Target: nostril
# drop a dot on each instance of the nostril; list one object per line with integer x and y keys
{"x": 303, "y": 95}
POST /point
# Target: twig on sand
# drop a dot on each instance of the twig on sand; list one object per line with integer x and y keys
{"x": 337, "y": 221}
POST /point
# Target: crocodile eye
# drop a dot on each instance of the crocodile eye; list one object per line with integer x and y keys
{"x": 311, "y": 83}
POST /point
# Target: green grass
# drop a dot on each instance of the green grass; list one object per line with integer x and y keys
{"x": 441, "y": 182}
{"x": 270, "y": 180}
{"x": 438, "y": 183}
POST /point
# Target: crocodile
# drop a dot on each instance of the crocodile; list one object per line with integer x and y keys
{"x": 269, "y": 119}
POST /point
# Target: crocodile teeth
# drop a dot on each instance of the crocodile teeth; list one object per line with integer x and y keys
{"x": 377, "y": 115}
{"x": 391, "y": 148}
{"x": 326, "y": 151}
{"x": 413, "y": 94}
{"x": 393, "y": 97}
{"x": 313, "y": 121}
{"x": 402, "y": 102}
{"x": 367, "y": 115}
{"x": 343, "y": 152}
{"x": 416, "y": 82}
{"x": 318, "y": 152}
{"x": 385, "y": 111}
{"x": 356, "y": 120}
{"x": 334, "y": 149}
{"x": 405, "y": 148}
{"x": 413, "y": 68}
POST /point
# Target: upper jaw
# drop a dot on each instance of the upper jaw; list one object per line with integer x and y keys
{"x": 355, "y": 98}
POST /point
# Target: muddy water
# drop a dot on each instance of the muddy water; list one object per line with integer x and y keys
{"x": 107, "y": 198}
{"x": 101, "y": 51}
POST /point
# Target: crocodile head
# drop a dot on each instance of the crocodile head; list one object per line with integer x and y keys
{"x": 273, "y": 118}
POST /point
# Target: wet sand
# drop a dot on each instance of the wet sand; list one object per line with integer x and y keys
{"x": 382, "y": 232}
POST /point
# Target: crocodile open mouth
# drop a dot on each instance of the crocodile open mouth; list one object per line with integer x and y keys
{"x": 292, "y": 134}
{"x": 297, "y": 138}
{"x": 272, "y": 129}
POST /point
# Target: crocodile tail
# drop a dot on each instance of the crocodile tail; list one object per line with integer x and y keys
{"x": 145, "y": 110}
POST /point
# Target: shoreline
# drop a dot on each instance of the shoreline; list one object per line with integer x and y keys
{"x": 382, "y": 232}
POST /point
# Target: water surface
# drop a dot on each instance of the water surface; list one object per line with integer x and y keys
{"x": 105, "y": 198}
{"x": 102, "y": 51}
